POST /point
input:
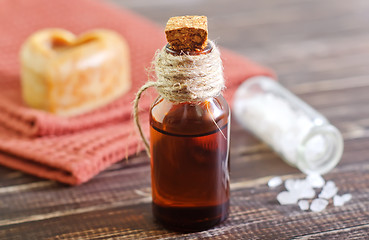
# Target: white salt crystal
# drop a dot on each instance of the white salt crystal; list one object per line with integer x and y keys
{"x": 347, "y": 197}
{"x": 299, "y": 188}
{"x": 318, "y": 205}
{"x": 289, "y": 184}
{"x": 284, "y": 132}
{"x": 341, "y": 200}
{"x": 304, "y": 189}
{"x": 315, "y": 180}
{"x": 306, "y": 193}
{"x": 296, "y": 184}
{"x": 330, "y": 184}
{"x": 285, "y": 198}
{"x": 274, "y": 182}
{"x": 329, "y": 190}
{"x": 304, "y": 205}
{"x": 338, "y": 201}
{"x": 302, "y": 184}
{"x": 328, "y": 193}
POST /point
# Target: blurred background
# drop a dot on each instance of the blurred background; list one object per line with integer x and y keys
{"x": 301, "y": 40}
{"x": 319, "y": 50}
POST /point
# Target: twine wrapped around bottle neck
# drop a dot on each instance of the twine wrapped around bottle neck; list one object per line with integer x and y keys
{"x": 184, "y": 78}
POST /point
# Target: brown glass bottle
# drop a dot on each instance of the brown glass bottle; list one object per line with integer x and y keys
{"x": 190, "y": 161}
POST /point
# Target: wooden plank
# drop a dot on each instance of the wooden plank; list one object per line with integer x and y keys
{"x": 121, "y": 184}
{"x": 91, "y": 198}
{"x": 254, "y": 212}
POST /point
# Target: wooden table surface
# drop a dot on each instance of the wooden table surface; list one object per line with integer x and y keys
{"x": 320, "y": 51}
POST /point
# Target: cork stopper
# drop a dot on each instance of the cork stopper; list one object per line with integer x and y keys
{"x": 187, "y": 33}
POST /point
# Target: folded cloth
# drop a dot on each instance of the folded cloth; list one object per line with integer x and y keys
{"x": 73, "y": 150}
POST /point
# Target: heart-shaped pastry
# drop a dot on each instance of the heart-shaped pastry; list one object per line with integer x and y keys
{"x": 68, "y": 75}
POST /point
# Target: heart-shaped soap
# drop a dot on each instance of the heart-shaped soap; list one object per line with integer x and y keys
{"x": 69, "y": 75}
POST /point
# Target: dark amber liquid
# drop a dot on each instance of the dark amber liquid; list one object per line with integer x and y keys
{"x": 188, "y": 219}
{"x": 190, "y": 163}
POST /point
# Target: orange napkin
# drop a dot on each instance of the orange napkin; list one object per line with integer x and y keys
{"x": 73, "y": 150}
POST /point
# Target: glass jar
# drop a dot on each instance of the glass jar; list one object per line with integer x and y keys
{"x": 298, "y": 133}
{"x": 189, "y": 145}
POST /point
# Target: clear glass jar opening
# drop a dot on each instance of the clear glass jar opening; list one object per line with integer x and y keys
{"x": 298, "y": 133}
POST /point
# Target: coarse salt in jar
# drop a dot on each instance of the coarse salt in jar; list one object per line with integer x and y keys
{"x": 299, "y": 134}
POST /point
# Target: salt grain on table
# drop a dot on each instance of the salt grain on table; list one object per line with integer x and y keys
{"x": 347, "y": 197}
{"x": 296, "y": 184}
{"x": 285, "y": 198}
{"x": 289, "y": 184}
{"x": 274, "y": 182}
{"x": 304, "y": 205}
{"x": 315, "y": 180}
{"x": 341, "y": 200}
{"x": 329, "y": 190}
{"x": 318, "y": 205}
{"x": 299, "y": 190}
{"x": 306, "y": 192}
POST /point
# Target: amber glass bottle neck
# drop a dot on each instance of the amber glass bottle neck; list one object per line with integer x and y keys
{"x": 206, "y": 50}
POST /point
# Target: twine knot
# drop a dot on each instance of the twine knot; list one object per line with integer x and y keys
{"x": 189, "y": 78}
{"x": 184, "y": 78}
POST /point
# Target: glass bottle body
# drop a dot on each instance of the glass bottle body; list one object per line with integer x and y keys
{"x": 189, "y": 145}
{"x": 298, "y": 133}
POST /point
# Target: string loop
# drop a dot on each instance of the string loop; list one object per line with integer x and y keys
{"x": 184, "y": 78}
